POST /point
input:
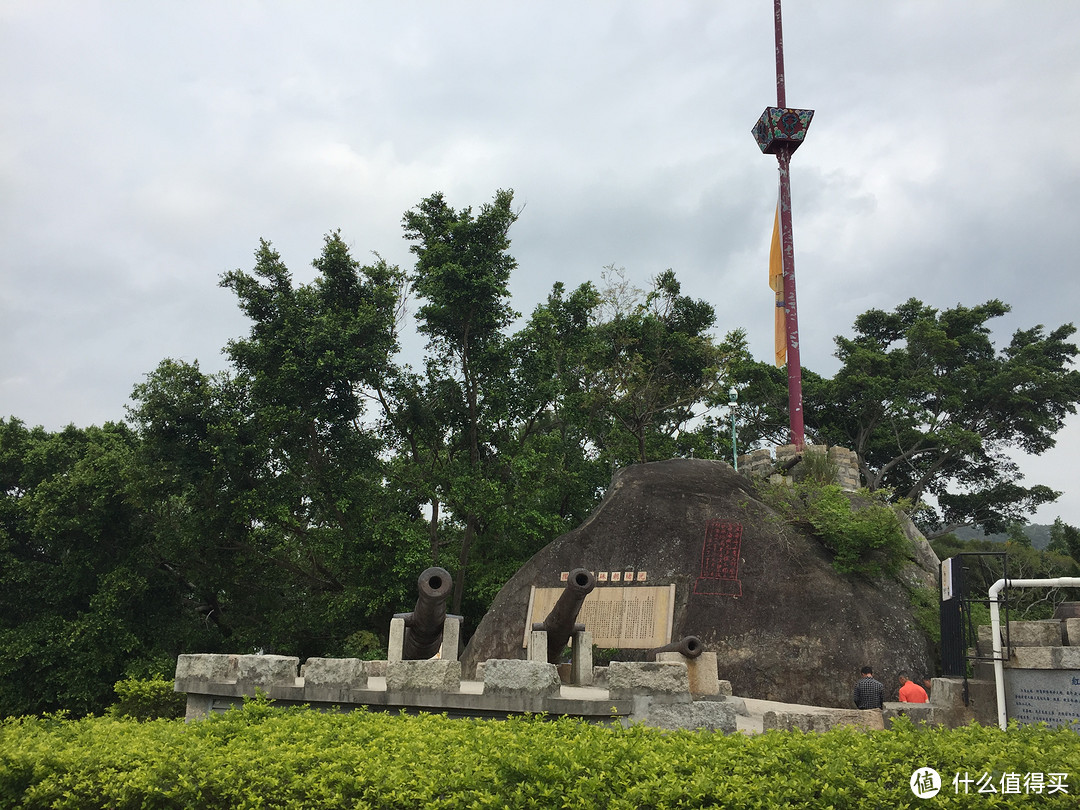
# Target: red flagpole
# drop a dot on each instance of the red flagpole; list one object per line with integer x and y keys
{"x": 783, "y": 158}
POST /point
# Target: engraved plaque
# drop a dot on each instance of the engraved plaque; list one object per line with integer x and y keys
{"x": 720, "y": 560}
{"x": 636, "y": 617}
{"x": 1050, "y": 696}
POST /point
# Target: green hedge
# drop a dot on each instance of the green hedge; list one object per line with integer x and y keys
{"x": 147, "y": 699}
{"x": 265, "y": 757}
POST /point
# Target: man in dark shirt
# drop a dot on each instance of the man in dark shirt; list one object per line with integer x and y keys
{"x": 869, "y": 693}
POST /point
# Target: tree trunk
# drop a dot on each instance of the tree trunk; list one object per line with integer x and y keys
{"x": 463, "y": 559}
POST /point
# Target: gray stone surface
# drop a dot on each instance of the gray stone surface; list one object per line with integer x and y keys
{"x": 397, "y": 640}
{"x": 701, "y": 671}
{"x": 1049, "y": 696}
{"x": 1035, "y": 634}
{"x": 984, "y": 639}
{"x": 949, "y": 717}
{"x": 348, "y": 672}
{"x": 375, "y": 669}
{"x": 511, "y": 676}
{"x": 1032, "y": 658}
{"x": 1071, "y": 632}
{"x": 451, "y": 638}
{"x": 1045, "y": 658}
{"x": 947, "y": 692}
{"x": 537, "y": 646}
{"x": 581, "y": 666}
{"x": 627, "y": 679}
{"x": 796, "y": 632}
{"x": 736, "y": 703}
{"x": 267, "y": 670}
{"x": 198, "y": 707}
{"x": 868, "y": 719}
{"x": 216, "y": 668}
{"x": 699, "y": 714}
{"x": 424, "y": 676}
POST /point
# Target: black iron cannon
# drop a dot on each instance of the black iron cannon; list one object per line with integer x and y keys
{"x": 689, "y": 646}
{"x": 424, "y": 626}
{"x": 561, "y": 622}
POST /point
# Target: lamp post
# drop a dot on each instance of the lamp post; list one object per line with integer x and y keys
{"x": 733, "y": 401}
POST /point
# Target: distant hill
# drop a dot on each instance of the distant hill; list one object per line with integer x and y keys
{"x": 1038, "y": 533}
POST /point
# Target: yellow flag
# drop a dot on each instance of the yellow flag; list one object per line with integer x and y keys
{"x": 776, "y": 282}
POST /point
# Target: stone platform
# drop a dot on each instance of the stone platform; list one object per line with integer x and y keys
{"x": 652, "y": 693}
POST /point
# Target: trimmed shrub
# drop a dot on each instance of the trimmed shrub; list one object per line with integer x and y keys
{"x": 260, "y": 756}
{"x": 147, "y": 699}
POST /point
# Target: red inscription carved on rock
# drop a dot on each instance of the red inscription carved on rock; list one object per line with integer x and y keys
{"x": 720, "y": 560}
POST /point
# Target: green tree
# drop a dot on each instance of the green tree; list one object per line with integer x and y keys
{"x": 1017, "y": 535}
{"x": 762, "y": 409}
{"x": 81, "y": 601}
{"x": 1065, "y": 539}
{"x": 271, "y": 505}
{"x": 1024, "y": 562}
{"x": 462, "y": 269}
{"x": 932, "y": 409}
{"x": 656, "y": 368}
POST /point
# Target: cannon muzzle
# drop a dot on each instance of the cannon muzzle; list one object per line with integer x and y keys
{"x": 424, "y": 626}
{"x": 689, "y": 646}
{"x": 561, "y": 622}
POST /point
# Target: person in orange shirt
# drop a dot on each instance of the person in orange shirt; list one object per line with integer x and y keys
{"x": 911, "y": 692}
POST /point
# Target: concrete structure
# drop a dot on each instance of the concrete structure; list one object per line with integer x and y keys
{"x": 1040, "y": 677}
{"x": 658, "y": 694}
{"x": 766, "y": 463}
{"x": 947, "y": 706}
{"x": 1040, "y": 680}
{"x": 533, "y": 678}
{"x": 651, "y": 693}
{"x": 700, "y": 671}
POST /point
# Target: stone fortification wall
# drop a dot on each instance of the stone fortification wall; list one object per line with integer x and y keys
{"x": 781, "y": 461}
{"x": 1042, "y": 671}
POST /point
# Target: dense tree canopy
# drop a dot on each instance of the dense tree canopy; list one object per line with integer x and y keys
{"x": 289, "y": 503}
{"x": 932, "y": 409}
{"x": 82, "y": 601}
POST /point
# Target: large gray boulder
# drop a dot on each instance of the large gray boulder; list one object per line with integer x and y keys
{"x": 786, "y": 627}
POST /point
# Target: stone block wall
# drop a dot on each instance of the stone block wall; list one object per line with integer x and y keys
{"x": 766, "y": 463}
{"x": 1042, "y": 671}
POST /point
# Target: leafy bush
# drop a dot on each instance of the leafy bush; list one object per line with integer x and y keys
{"x": 260, "y": 756}
{"x": 365, "y": 645}
{"x": 147, "y": 699}
{"x": 867, "y": 540}
{"x": 927, "y": 607}
{"x": 817, "y": 467}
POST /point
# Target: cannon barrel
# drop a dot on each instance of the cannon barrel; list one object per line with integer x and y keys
{"x": 689, "y": 646}
{"x": 562, "y": 620}
{"x": 424, "y": 626}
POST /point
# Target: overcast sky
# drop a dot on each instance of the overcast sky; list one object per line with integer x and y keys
{"x": 145, "y": 147}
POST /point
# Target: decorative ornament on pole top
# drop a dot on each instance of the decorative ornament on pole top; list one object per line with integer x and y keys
{"x": 779, "y": 127}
